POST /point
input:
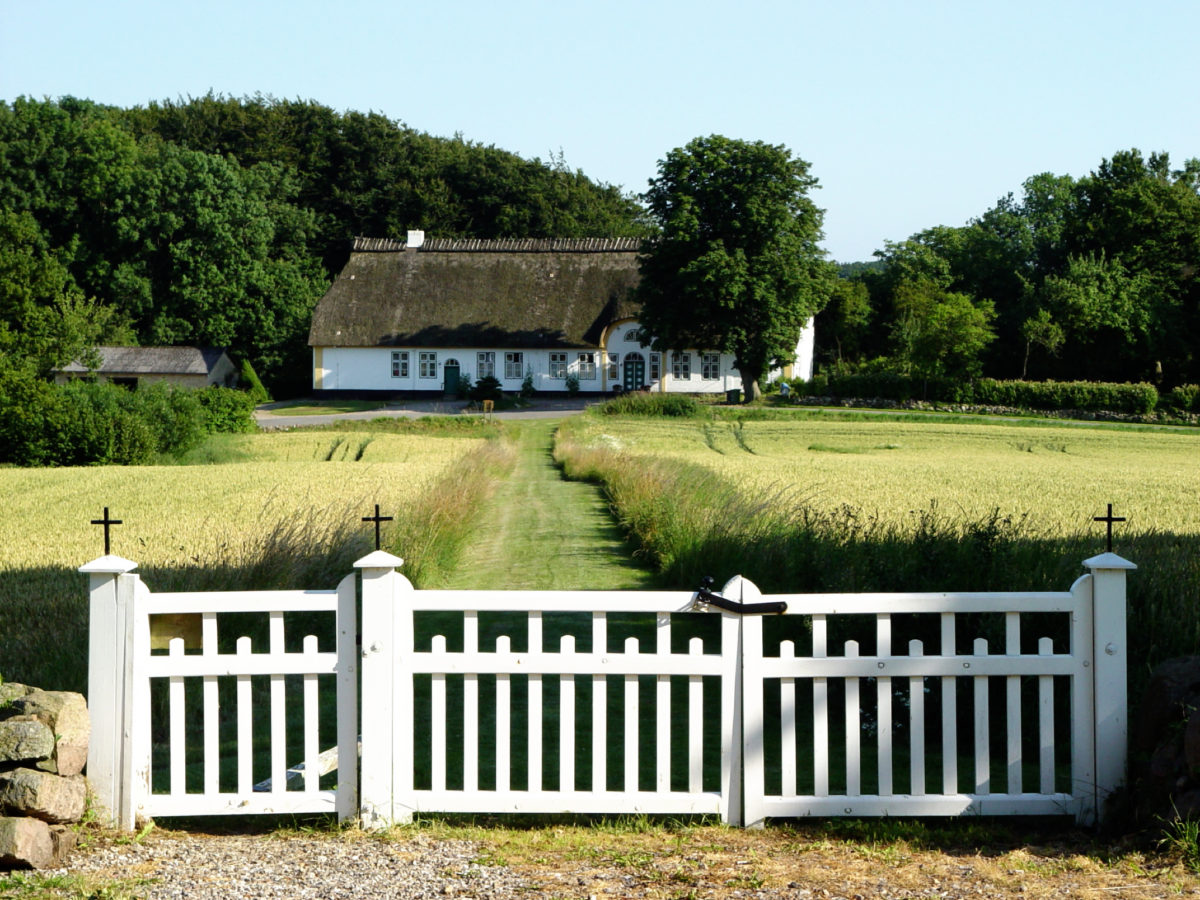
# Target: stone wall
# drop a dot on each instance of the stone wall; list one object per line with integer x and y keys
{"x": 43, "y": 749}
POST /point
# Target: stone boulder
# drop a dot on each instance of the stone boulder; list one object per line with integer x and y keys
{"x": 25, "y": 844}
{"x": 24, "y": 739}
{"x": 43, "y": 795}
{"x": 65, "y": 713}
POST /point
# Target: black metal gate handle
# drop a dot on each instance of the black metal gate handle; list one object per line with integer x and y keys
{"x": 704, "y": 595}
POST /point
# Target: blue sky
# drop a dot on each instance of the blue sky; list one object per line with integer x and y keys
{"x": 912, "y": 114}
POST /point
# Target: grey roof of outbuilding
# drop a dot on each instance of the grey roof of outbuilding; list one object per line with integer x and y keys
{"x": 153, "y": 361}
{"x": 478, "y": 293}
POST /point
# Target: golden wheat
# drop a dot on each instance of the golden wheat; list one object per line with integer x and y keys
{"x": 172, "y": 514}
{"x": 1061, "y": 476}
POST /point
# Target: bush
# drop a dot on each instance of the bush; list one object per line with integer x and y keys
{"x": 251, "y": 384}
{"x": 1184, "y": 398}
{"x": 486, "y": 388}
{"x": 1092, "y": 396}
{"x": 572, "y": 384}
{"x": 527, "y": 388}
{"x": 641, "y": 404}
{"x": 227, "y": 411}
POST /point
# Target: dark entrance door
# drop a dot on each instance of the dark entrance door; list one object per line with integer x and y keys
{"x": 634, "y": 372}
{"x": 450, "y": 376}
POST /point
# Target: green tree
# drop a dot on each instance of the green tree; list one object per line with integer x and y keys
{"x": 842, "y": 323}
{"x": 45, "y": 320}
{"x": 736, "y": 266}
{"x": 939, "y": 332}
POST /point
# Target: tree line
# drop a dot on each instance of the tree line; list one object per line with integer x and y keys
{"x": 220, "y": 221}
{"x": 1094, "y": 278}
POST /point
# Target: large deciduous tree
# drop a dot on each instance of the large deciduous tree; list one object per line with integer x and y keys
{"x": 736, "y": 266}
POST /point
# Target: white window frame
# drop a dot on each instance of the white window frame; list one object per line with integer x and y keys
{"x": 681, "y": 365}
{"x": 633, "y": 336}
{"x": 614, "y": 367}
{"x": 514, "y": 365}
{"x": 558, "y": 365}
{"x": 587, "y": 366}
{"x": 399, "y": 363}
{"x": 485, "y": 364}
{"x": 655, "y": 367}
{"x": 427, "y": 364}
{"x": 710, "y": 366}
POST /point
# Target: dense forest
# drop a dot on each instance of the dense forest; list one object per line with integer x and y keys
{"x": 220, "y": 221}
{"x": 1094, "y": 278}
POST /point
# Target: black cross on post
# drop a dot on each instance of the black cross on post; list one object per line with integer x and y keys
{"x": 1109, "y": 519}
{"x": 106, "y": 522}
{"x": 377, "y": 518}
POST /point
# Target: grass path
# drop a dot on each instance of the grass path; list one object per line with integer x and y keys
{"x": 541, "y": 532}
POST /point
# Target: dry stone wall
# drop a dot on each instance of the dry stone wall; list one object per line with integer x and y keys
{"x": 43, "y": 749}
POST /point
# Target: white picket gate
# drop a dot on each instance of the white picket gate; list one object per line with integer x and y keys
{"x": 738, "y": 722}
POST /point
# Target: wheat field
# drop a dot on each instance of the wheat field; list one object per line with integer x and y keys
{"x": 1060, "y": 476}
{"x": 176, "y": 514}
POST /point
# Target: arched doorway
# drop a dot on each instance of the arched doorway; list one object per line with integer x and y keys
{"x": 633, "y": 372}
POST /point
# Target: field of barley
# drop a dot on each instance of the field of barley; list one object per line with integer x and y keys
{"x": 1059, "y": 475}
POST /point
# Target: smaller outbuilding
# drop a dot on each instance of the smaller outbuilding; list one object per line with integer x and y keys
{"x": 192, "y": 367}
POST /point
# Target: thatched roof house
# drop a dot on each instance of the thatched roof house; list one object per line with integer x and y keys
{"x": 197, "y": 367}
{"x": 421, "y": 315}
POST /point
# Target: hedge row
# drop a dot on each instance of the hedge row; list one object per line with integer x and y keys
{"x": 1137, "y": 399}
{"x": 87, "y": 423}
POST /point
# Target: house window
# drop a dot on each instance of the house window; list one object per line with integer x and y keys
{"x": 710, "y": 366}
{"x": 399, "y": 363}
{"x": 485, "y": 364}
{"x": 681, "y": 366}
{"x": 558, "y": 365}
{"x": 614, "y": 360}
{"x": 427, "y": 364}
{"x": 513, "y": 364}
{"x": 633, "y": 336}
{"x": 587, "y": 366}
{"x": 656, "y": 367}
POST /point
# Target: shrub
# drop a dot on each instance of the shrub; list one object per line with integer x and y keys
{"x": 227, "y": 411}
{"x": 572, "y": 384}
{"x": 641, "y": 404}
{"x": 527, "y": 388}
{"x": 1184, "y": 397}
{"x": 251, "y": 384}
{"x": 486, "y": 388}
{"x": 1138, "y": 399}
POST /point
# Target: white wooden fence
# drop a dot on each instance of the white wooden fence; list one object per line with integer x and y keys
{"x": 495, "y": 701}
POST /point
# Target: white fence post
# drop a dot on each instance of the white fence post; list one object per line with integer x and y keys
{"x": 386, "y": 750}
{"x": 110, "y": 685}
{"x": 1109, "y": 673}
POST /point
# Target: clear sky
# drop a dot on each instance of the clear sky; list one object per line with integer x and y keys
{"x": 912, "y": 114}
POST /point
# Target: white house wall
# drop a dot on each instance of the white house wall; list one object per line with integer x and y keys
{"x": 370, "y": 368}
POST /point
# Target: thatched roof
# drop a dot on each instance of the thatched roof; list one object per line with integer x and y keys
{"x": 152, "y": 361}
{"x": 478, "y": 293}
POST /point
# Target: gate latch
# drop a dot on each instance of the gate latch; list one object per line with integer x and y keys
{"x": 706, "y": 596}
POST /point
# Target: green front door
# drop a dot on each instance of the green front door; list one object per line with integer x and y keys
{"x": 634, "y": 372}
{"x": 450, "y": 375}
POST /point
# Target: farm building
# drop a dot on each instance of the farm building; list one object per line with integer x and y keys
{"x": 196, "y": 367}
{"x": 423, "y": 315}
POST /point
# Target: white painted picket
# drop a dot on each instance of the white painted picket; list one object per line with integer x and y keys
{"x": 392, "y": 663}
{"x": 438, "y": 724}
{"x": 122, "y": 669}
{"x": 911, "y": 675}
